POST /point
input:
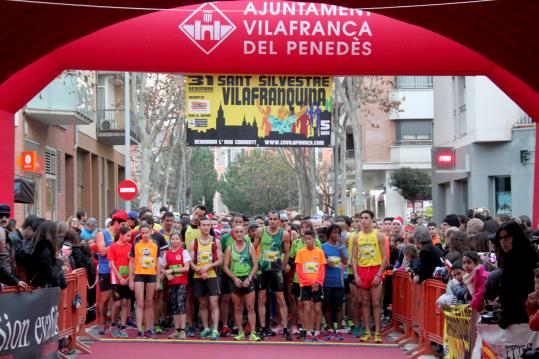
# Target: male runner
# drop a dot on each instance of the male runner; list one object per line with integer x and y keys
{"x": 274, "y": 245}
{"x": 207, "y": 256}
{"x": 369, "y": 261}
{"x": 241, "y": 266}
{"x": 353, "y": 299}
{"x": 104, "y": 239}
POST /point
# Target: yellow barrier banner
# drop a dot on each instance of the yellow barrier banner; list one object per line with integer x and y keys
{"x": 457, "y": 332}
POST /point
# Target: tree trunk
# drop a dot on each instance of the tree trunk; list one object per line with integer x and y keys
{"x": 314, "y": 192}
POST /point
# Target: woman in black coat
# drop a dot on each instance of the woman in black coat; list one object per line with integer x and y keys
{"x": 517, "y": 257}
{"x": 42, "y": 268}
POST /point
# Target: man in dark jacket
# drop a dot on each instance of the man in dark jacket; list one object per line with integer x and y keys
{"x": 429, "y": 255}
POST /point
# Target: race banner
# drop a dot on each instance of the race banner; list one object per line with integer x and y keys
{"x": 259, "y": 110}
{"x": 457, "y": 323}
{"x": 510, "y": 343}
{"x": 29, "y": 324}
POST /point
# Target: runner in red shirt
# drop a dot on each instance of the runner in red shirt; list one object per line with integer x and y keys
{"x": 175, "y": 263}
{"x": 118, "y": 256}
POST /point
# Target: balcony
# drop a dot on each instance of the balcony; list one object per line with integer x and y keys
{"x": 412, "y": 154}
{"x": 68, "y": 100}
{"x": 110, "y": 127}
{"x": 414, "y": 103}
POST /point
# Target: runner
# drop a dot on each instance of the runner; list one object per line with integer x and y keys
{"x": 225, "y": 285}
{"x": 119, "y": 269}
{"x": 167, "y": 222}
{"x": 311, "y": 269}
{"x": 336, "y": 257}
{"x": 207, "y": 256}
{"x": 241, "y": 266}
{"x": 353, "y": 302}
{"x": 369, "y": 260}
{"x": 295, "y": 289}
{"x": 142, "y": 279}
{"x": 189, "y": 233}
{"x": 175, "y": 263}
{"x": 104, "y": 239}
{"x": 274, "y": 251}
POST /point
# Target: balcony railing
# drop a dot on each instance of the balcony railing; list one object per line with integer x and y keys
{"x": 111, "y": 126}
{"x": 67, "y": 100}
{"x": 413, "y": 82}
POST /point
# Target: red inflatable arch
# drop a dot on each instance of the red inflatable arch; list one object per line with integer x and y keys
{"x": 253, "y": 37}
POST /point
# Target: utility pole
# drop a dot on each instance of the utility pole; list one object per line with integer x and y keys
{"x": 127, "y": 134}
{"x": 314, "y": 191}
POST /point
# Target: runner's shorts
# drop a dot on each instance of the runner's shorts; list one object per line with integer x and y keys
{"x": 177, "y": 296}
{"x": 104, "y": 282}
{"x": 334, "y": 296}
{"x": 242, "y": 290}
{"x": 205, "y": 287}
{"x": 367, "y": 275}
{"x": 145, "y": 278}
{"x": 121, "y": 292}
{"x": 224, "y": 283}
{"x": 296, "y": 290}
{"x": 306, "y": 293}
{"x": 272, "y": 280}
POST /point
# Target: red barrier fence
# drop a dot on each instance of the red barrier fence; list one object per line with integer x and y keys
{"x": 71, "y": 316}
{"x": 416, "y": 313}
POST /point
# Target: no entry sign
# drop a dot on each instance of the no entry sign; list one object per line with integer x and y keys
{"x": 127, "y": 190}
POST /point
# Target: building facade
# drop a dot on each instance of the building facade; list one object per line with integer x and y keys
{"x": 494, "y": 142}
{"x": 391, "y": 140}
{"x": 79, "y": 160}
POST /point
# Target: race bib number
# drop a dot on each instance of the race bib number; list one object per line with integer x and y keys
{"x": 123, "y": 271}
{"x": 310, "y": 267}
{"x": 334, "y": 261}
{"x": 147, "y": 262}
{"x": 271, "y": 256}
{"x": 367, "y": 252}
{"x": 204, "y": 257}
{"x": 176, "y": 267}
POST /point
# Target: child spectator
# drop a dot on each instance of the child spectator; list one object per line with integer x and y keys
{"x": 410, "y": 252}
{"x": 456, "y": 291}
{"x": 475, "y": 278}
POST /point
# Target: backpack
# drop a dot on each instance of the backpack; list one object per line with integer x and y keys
{"x": 213, "y": 247}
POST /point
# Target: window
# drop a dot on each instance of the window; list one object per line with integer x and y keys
{"x": 349, "y": 145}
{"x": 51, "y": 167}
{"x": 502, "y": 192}
{"x": 413, "y": 82}
{"x": 414, "y": 131}
{"x": 459, "y": 105}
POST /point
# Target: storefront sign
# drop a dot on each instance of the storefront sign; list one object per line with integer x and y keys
{"x": 29, "y": 324}
{"x": 259, "y": 110}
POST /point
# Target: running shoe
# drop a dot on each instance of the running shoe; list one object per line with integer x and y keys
{"x": 254, "y": 338}
{"x": 225, "y": 331}
{"x": 309, "y": 338}
{"x": 104, "y": 330}
{"x": 150, "y": 334}
{"x": 338, "y": 335}
{"x": 115, "y": 332}
{"x": 329, "y": 335}
{"x": 318, "y": 339}
{"x": 286, "y": 334}
{"x": 236, "y": 331}
{"x": 182, "y": 335}
{"x": 277, "y": 329}
{"x": 158, "y": 329}
{"x": 261, "y": 334}
{"x": 350, "y": 323}
{"x": 302, "y": 334}
{"x": 206, "y": 333}
{"x": 130, "y": 323}
{"x": 214, "y": 335}
{"x": 366, "y": 337}
{"x": 295, "y": 330}
{"x": 268, "y": 332}
{"x": 140, "y": 335}
{"x": 191, "y": 331}
{"x": 377, "y": 338}
{"x": 240, "y": 336}
{"x": 123, "y": 334}
{"x": 174, "y": 335}
{"x": 357, "y": 332}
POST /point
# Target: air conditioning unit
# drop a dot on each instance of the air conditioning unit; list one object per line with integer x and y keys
{"x": 105, "y": 125}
